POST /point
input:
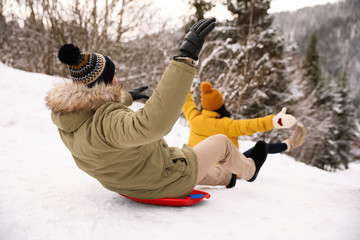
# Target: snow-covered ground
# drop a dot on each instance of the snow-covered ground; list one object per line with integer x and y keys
{"x": 44, "y": 196}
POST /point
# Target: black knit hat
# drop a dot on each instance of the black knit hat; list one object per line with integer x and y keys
{"x": 86, "y": 68}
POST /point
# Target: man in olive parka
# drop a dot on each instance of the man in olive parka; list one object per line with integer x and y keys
{"x": 125, "y": 150}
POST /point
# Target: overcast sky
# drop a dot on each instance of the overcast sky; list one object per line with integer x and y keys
{"x": 176, "y": 8}
{"x": 291, "y": 5}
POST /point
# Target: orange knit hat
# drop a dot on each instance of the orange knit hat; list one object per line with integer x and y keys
{"x": 211, "y": 98}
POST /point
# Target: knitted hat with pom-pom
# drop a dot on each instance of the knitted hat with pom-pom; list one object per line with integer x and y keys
{"x": 86, "y": 68}
{"x": 211, "y": 98}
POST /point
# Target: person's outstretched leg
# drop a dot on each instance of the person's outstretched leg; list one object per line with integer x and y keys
{"x": 272, "y": 148}
{"x": 296, "y": 140}
{"x": 216, "y": 176}
{"x": 219, "y": 149}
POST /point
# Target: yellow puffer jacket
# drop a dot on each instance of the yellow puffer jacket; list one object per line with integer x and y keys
{"x": 207, "y": 123}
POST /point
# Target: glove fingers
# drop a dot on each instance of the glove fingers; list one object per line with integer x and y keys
{"x": 204, "y": 25}
{"x": 143, "y": 88}
{"x": 207, "y": 30}
{"x": 283, "y": 110}
{"x": 194, "y": 39}
{"x": 197, "y": 24}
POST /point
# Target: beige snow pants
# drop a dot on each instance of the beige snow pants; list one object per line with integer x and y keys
{"x": 219, "y": 149}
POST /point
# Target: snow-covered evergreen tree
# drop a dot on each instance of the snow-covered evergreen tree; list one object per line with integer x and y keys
{"x": 201, "y": 7}
{"x": 312, "y": 65}
{"x": 336, "y": 152}
{"x": 328, "y": 114}
{"x": 2, "y": 26}
{"x": 337, "y": 28}
{"x": 244, "y": 59}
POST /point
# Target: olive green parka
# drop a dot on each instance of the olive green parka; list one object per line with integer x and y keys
{"x": 125, "y": 150}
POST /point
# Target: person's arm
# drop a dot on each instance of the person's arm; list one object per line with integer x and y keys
{"x": 249, "y": 126}
{"x": 129, "y": 129}
{"x": 190, "y": 109}
{"x": 235, "y": 128}
{"x": 156, "y": 119}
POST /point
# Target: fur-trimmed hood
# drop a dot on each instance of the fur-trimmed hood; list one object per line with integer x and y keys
{"x": 71, "y": 97}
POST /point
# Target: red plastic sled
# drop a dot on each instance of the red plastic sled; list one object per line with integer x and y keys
{"x": 195, "y": 197}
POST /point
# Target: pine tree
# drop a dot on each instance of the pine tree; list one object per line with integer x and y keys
{"x": 2, "y": 24}
{"x": 313, "y": 110}
{"x": 336, "y": 153}
{"x": 312, "y": 64}
{"x": 248, "y": 12}
{"x": 201, "y": 8}
{"x": 328, "y": 114}
{"x": 244, "y": 60}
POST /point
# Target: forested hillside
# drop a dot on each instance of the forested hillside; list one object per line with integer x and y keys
{"x": 338, "y": 31}
{"x": 306, "y": 60}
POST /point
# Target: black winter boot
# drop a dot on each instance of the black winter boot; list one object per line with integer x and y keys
{"x": 258, "y": 154}
{"x": 232, "y": 181}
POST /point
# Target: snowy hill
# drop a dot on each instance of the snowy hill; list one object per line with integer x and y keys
{"x": 44, "y": 196}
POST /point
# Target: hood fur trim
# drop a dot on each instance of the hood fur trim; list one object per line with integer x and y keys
{"x": 73, "y": 97}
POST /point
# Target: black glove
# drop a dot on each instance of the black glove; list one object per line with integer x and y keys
{"x": 194, "y": 39}
{"x": 136, "y": 93}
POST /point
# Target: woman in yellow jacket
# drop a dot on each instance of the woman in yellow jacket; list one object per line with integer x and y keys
{"x": 215, "y": 119}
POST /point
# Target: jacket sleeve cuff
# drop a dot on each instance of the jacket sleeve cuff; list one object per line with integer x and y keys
{"x": 186, "y": 60}
{"x": 128, "y": 99}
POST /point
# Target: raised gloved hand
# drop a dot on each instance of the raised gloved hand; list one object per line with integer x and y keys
{"x": 194, "y": 39}
{"x": 136, "y": 93}
{"x": 283, "y": 120}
